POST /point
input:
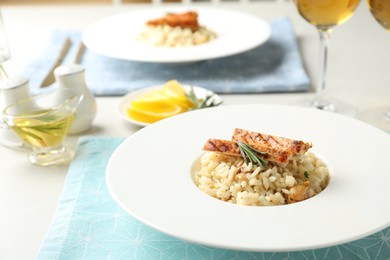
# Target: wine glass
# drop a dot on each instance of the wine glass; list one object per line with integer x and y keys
{"x": 380, "y": 115}
{"x": 4, "y": 52}
{"x": 325, "y": 15}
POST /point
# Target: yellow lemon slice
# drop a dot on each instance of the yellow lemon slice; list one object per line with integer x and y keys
{"x": 160, "y": 103}
{"x": 153, "y": 105}
{"x": 159, "y": 96}
{"x": 175, "y": 91}
{"x": 154, "y": 113}
{"x": 152, "y": 102}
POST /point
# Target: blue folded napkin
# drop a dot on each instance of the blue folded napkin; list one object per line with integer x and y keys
{"x": 89, "y": 224}
{"x": 275, "y": 66}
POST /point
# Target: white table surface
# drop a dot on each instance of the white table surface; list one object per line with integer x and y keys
{"x": 358, "y": 74}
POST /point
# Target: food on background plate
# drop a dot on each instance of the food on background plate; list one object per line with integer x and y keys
{"x": 256, "y": 169}
{"x": 184, "y": 20}
{"x": 169, "y": 100}
{"x": 176, "y": 29}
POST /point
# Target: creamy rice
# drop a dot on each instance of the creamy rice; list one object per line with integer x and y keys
{"x": 229, "y": 179}
{"x": 167, "y": 36}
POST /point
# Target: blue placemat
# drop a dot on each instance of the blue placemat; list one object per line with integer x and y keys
{"x": 88, "y": 224}
{"x": 275, "y": 66}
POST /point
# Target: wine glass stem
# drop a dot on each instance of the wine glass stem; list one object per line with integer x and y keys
{"x": 387, "y": 116}
{"x": 321, "y": 101}
{"x": 3, "y": 73}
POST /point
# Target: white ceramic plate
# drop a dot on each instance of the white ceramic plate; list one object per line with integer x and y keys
{"x": 115, "y": 36}
{"x": 126, "y": 100}
{"x": 149, "y": 175}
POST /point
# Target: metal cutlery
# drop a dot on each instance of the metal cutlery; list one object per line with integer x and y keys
{"x": 49, "y": 79}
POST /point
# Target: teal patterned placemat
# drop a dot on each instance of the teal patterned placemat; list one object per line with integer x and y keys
{"x": 88, "y": 224}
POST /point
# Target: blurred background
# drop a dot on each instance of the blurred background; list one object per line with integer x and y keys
{"x": 22, "y": 2}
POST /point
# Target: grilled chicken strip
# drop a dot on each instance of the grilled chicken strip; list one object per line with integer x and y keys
{"x": 227, "y": 147}
{"x": 183, "y": 20}
{"x": 278, "y": 149}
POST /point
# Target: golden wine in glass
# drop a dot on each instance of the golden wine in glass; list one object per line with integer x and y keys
{"x": 379, "y": 116}
{"x": 325, "y": 15}
{"x": 380, "y": 9}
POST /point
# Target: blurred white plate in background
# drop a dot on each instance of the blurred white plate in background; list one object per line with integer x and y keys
{"x": 115, "y": 36}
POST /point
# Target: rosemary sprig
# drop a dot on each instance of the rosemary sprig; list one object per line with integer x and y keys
{"x": 199, "y": 103}
{"x": 252, "y": 154}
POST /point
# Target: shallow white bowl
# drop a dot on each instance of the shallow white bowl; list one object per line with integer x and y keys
{"x": 150, "y": 176}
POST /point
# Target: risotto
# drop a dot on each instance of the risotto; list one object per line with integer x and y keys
{"x": 230, "y": 179}
{"x": 176, "y": 30}
{"x": 167, "y": 36}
